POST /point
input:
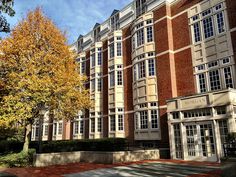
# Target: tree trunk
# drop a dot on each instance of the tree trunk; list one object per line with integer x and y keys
{"x": 27, "y": 138}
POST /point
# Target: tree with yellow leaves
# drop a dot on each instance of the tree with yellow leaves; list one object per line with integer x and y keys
{"x": 39, "y": 70}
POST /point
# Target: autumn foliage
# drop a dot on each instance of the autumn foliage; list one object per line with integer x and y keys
{"x": 39, "y": 70}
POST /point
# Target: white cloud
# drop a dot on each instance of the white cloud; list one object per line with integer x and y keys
{"x": 74, "y": 16}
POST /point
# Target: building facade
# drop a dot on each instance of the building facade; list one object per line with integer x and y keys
{"x": 160, "y": 73}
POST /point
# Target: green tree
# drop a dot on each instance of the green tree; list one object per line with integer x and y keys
{"x": 5, "y": 7}
{"x": 39, "y": 71}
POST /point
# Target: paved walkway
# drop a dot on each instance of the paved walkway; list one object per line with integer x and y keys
{"x": 150, "y": 170}
{"x": 162, "y": 168}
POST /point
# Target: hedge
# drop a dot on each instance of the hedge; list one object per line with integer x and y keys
{"x": 108, "y": 144}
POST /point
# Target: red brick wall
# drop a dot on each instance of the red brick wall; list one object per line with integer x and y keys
{"x": 126, "y": 46}
{"x": 160, "y": 12}
{"x": 161, "y": 36}
{"x": 231, "y": 11}
{"x": 181, "y": 32}
{"x": 163, "y": 78}
{"x": 184, "y": 73}
{"x": 129, "y": 127}
{"x": 182, "y": 5}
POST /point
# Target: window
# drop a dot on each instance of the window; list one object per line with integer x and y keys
{"x": 76, "y": 127}
{"x": 220, "y": 22}
{"x": 136, "y": 121}
{"x": 92, "y": 125}
{"x": 93, "y": 59}
{"x": 177, "y": 138}
{"x": 212, "y": 64}
{"x": 133, "y": 42}
{"x": 208, "y": 27}
{"x": 214, "y": 80}
{"x": 81, "y": 130}
{"x": 45, "y": 132}
{"x": 111, "y": 50}
{"x": 135, "y": 73}
{"x": 112, "y": 79}
{"x": 140, "y": 7}
{"x": 93, "y": 85}
{"x": 149, "y": 34}
{"x": 99, "y": 85}
{"x": 220, "y": 110}
{"x": 119, "y": 78}
{"x": 223, "y": 131}
{"x": 112, "y": 123}
{"x": 83, "y": 65}
{"x": 36, "y": 131}
{"x": 175, "y": 115}
{"x": 202, "y": 82}
{"x": 197, "y": 33}
{"x": 228, "y": 77}
{"x": 54, "y": 128}
{"x": 140, "y": 37}
{"x": 151, "y": 67}
{"x": 120, "y": 123}
{"x": 59, "y": 128}
{"x": 154, "y": 119}
{"x": 143, "y": 120}
{"x": 99, "y": 124}
{"x": 197, "y": 113}
{"x": 99, "y": 58}
{"x": 119, "y": 52}
{"x": 141, "y": 69}
{"x": 226, "y": 60}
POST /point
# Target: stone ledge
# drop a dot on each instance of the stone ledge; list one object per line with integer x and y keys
{"x": 46, "y": 159}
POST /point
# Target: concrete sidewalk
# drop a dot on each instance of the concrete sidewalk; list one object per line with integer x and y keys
{"x": 142, "y": 168}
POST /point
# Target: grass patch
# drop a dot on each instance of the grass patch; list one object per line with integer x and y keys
{"x": 20, "y": 159}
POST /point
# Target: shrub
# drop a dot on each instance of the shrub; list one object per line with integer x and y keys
{"x": 109, "y": 144}
{"x": 21, "y": 159}
{"x": 8, "y": 146}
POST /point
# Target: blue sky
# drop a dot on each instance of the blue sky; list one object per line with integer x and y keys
{"x": 74, "y": 16}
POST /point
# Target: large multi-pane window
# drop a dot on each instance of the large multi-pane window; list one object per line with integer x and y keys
{"x": 197, "y": 32}
{"x": 112, "y": 50}
{"x": 57, "y": 128}
{"x": 119, "y": 78}
{"x": 208, "y": 27}
{"x": 214, "y": 80}
{"x": 83, "y": 65}
{"x": 45, "y": 130}
{"x": 215, "y": 75}
{"x": 99, "y": 124}
{"x": 141, "y": 69}
{"x": 112, "y": 79}
{"x": 76, "y": 128}
{"x": 151, "y": 67}
{"x": 154, "y": 119}
{"x": 212, "y": 22}
{"x": 93, "y": 59}
{"x": 220, "y": 22}
{"x": 178, "y": 144}
{"x": 140, "y": 7}
{"x": 149, "y": 34}
{"x": 99, "y": 83}
{"x": 92, "y": 125}
{"x": 228, "y": 77}
{"x": 118, "y": 49}
{"x": 120, "y": 122}
{"x": 81, "y": 130}
{"x": 93, "y": 85}
{"x": 143, "y": 120}
{"x": 112, "y": 123}
{"x": 99, "y": 56}
{"x": 202, "y": 82}
{"x": 140, "y": 37}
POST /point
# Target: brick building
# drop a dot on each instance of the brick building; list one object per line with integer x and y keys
{"x": 160, "y": 72}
